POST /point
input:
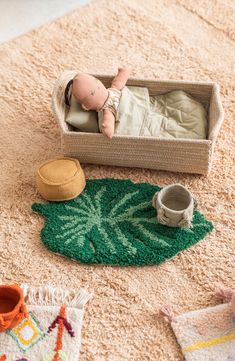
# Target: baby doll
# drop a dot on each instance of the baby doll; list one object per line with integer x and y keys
{"x": 92, "y": 95}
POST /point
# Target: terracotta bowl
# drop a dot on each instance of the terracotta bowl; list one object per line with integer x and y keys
{"x": 12, "y": 307}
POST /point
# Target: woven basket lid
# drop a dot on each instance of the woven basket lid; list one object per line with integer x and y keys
{"x": 60, "y": 179}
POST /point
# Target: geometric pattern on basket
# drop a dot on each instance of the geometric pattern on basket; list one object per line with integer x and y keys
{"x": 27, "y": 333}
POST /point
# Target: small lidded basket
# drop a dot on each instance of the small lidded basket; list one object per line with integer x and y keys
{"x": 12, "y": 306}
{"x": 175, "y": 206}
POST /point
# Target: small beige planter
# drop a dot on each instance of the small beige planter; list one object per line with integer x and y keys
{"x": 175, "y": 206}
{"x": 177, "y": 155}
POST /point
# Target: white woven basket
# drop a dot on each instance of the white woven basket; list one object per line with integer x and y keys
{"x": 177, "y": 155}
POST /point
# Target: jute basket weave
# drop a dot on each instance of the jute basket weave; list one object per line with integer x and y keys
{"x": 177, "y": 155}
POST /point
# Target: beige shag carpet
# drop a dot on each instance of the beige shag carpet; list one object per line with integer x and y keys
{"x": 165, "y": 39}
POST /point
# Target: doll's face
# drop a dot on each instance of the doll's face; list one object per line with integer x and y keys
{"x": 89, "y": 92}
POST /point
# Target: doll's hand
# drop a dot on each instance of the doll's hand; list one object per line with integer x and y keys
{"x": 108, "y": 123}
{"x": 121, "y": 78}
{"x": 124, "y": 71}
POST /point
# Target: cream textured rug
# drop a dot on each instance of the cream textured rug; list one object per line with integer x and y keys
{"x": 166, "y": 39}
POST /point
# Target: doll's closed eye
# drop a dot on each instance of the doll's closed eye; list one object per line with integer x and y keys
{"x": 84, "y": 107}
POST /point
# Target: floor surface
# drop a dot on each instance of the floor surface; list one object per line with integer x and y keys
{"x": 161, "y": 39}
{"x": 20, "y": 16}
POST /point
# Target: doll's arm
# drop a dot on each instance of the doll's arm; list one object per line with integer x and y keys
{"x": 108, "y": 123}
{"x": 121, "y": 78}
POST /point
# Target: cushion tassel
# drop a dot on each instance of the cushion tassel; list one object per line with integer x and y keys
{"x": 227, "y": 295}
{"x": 167, "y": 312}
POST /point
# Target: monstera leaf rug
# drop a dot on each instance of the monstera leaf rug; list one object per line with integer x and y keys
{"x": 113, "y": 222}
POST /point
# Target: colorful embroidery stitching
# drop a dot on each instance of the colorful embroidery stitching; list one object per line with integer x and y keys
{"x": 61, "y": 321}
{"x": 50, "y": 356}
{"x": 212, "y": 342}
{"x": 27, "y": 333}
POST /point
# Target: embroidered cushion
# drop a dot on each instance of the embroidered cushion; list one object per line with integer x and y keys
{"x": 206, "y": 334}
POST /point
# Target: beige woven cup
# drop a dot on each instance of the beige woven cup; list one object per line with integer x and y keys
{"x": 175, "y": 206}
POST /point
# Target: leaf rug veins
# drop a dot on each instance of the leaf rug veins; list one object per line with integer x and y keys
{"x": 113, "y": 222}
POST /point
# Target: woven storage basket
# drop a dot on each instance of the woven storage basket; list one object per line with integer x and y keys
{"x": 177, "y": 155}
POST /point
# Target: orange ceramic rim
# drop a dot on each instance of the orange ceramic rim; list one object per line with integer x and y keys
{"x": 18, "y": 304}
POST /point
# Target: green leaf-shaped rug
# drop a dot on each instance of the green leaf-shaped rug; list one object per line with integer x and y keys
{"x": 113, "y": 222}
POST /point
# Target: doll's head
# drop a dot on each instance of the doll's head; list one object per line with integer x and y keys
{"x": 89, "y": 91}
